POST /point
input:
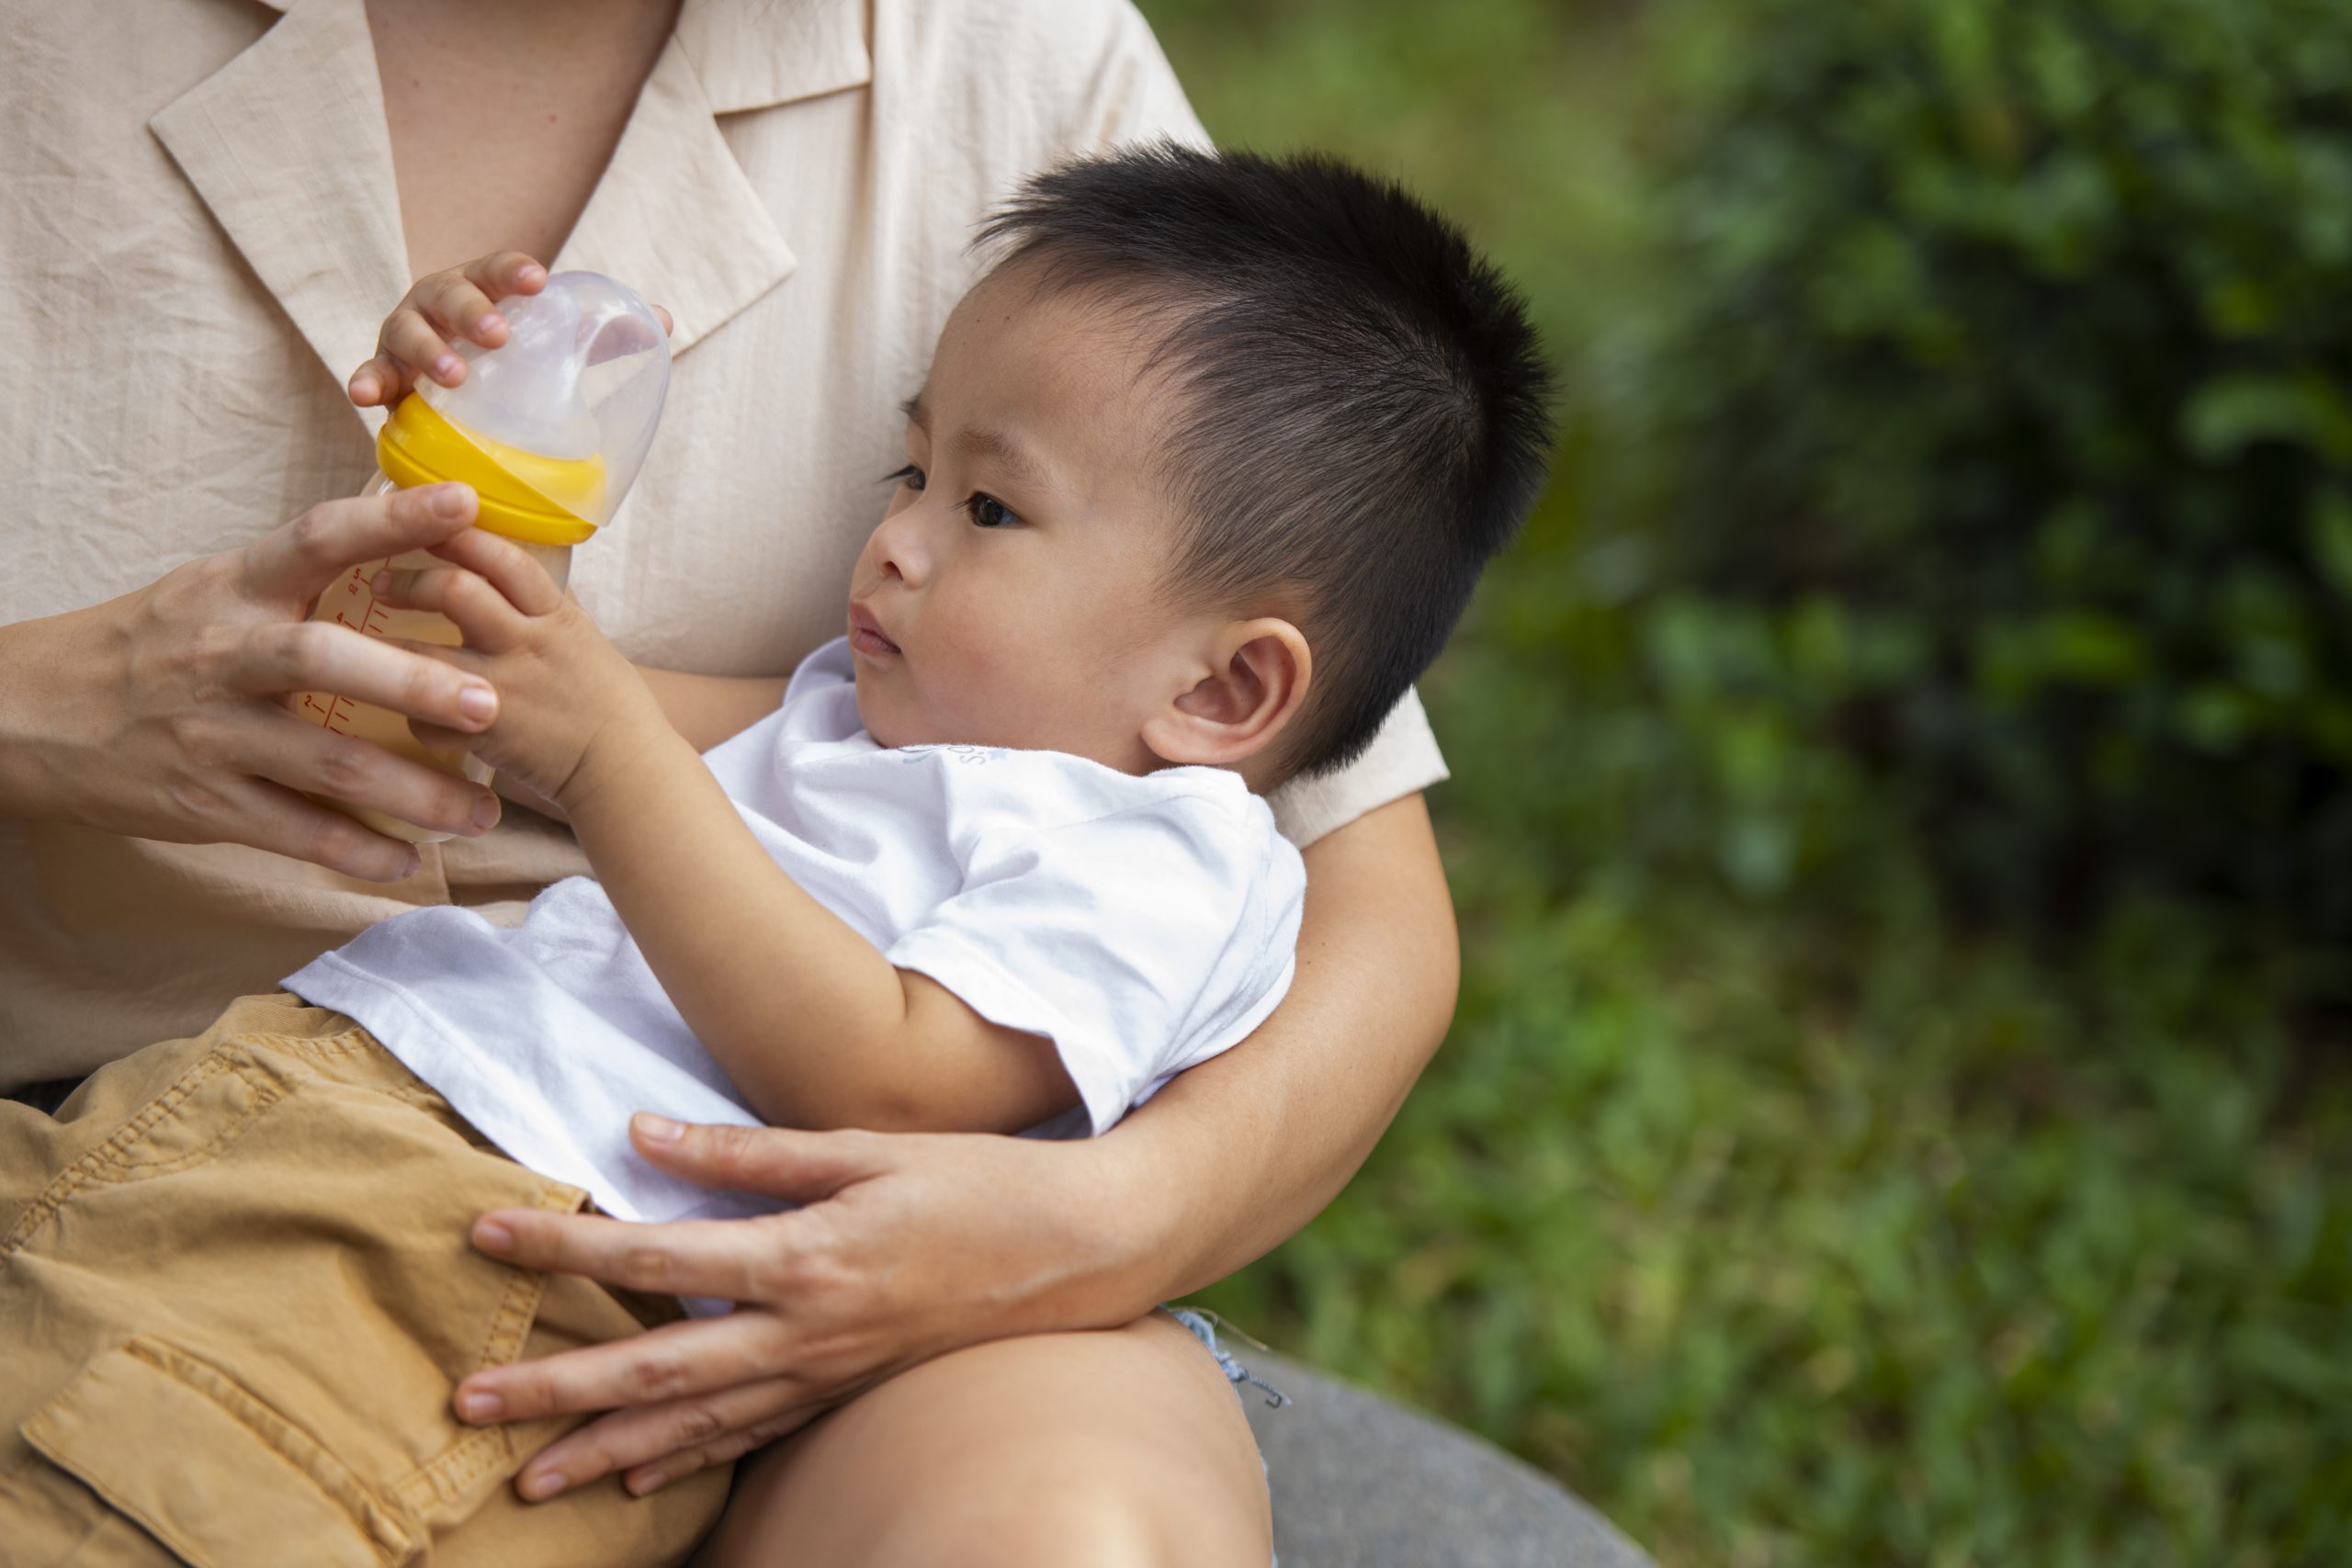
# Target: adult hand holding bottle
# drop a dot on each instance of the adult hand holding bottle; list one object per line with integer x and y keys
{"x": 163, "y": 713}
{"x": 160, "y": 714}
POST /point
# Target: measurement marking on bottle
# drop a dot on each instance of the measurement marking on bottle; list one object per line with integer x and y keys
{"x": 374, "y": 620}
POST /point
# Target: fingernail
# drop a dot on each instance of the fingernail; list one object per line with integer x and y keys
{"x": 492, "y": 1236}
{"x": 415, "y": 864}
{"x": 539, "y": 1488}
{"x": 656, "y": 1129}
{"x": 530, "y": 274}
{"x": 493, "y": 322}
{"x": 449, "y": 501}
{"x": 476, "y": 702}
{"x": 480, "y": 1406}
{"x": 485, "y": 814}
{"x": 381, "y": 583}
{"x": 652, "y": 1480}
{"x": 445, "y": 367}
{"x": 363, "y": 386}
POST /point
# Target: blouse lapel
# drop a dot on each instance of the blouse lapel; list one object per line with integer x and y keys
{"x": 287, "y": 145}
{"x": 673, "y": 217}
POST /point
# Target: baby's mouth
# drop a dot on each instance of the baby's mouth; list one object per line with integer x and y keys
{"x": 866, "y": 634}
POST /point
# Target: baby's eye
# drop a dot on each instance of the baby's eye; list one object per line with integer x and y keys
{"x": 988, "y": 511}
{"x": 910, "y": 476}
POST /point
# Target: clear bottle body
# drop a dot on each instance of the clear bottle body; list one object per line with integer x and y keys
{"x": 350, "y": 601}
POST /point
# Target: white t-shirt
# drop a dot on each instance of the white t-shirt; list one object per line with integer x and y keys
{"x": 1143, "y": 925}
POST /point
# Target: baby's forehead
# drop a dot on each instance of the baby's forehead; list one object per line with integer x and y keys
{"x": 1050, "y": 355}
{"x": 1129, "y": 317}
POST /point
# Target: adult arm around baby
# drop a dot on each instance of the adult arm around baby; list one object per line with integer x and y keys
{"x": 915, "y": 1245}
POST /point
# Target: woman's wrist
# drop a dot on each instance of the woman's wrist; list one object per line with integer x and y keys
{"x": 1133, "y": 1227}
{"x": 29, "y": 707}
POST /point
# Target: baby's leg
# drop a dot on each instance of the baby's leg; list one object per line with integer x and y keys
{"x": 1115, "y": 1450}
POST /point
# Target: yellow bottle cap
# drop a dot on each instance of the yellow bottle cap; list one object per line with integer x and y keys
{"x": 539, "y": 500}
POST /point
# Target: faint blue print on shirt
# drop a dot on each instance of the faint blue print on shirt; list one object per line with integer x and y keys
{"x": 956, "y": 753}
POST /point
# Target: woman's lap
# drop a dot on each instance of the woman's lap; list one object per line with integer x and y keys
{"x": 1123, "y": 1446}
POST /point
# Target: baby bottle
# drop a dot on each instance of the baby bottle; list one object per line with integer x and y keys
{"x": 550, "y": 428}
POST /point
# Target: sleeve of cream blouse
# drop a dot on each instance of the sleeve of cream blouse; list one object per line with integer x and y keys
{"x": 1132, "y": 96}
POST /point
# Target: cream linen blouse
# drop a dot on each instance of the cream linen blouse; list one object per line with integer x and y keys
{"x": 202, "y": 235}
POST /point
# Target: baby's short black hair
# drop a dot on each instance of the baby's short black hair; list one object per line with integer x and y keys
{"x": 1367, "y": 415}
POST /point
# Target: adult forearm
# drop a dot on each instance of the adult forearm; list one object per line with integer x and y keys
{"x": 1238, "y": 1153}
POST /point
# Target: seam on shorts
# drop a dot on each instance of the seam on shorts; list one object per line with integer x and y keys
{"x": 342, "y": 1043}
{"x": 225, "y": 1057}
{"x": 358, "y": 1041}
{"x": 443, "y": 1478}
{"x": 377, "y": 1522}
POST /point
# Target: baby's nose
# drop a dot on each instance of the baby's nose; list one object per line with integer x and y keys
{"x": 898, "y": 552}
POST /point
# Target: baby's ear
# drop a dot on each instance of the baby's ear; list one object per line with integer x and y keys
{"x": 1258, "y": 676}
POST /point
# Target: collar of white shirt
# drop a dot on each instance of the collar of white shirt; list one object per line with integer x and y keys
{"x": 673, "y": 216}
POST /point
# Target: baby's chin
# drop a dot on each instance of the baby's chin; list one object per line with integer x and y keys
{"x": 878, "y": 724}
{"x": 889, "y": 726}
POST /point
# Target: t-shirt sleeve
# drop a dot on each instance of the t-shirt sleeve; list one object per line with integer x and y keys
{"x": 1140, "y": 944}
{"x": 1402, "y": 757}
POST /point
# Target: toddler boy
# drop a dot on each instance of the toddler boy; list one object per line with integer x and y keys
{"x": 1202, "y": 474}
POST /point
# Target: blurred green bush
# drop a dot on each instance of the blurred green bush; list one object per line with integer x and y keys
{"x": 1787, "y": 1219}
{"x": 1991, "y": 414}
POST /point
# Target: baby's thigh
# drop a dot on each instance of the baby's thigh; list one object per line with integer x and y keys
{"x": 1112, "y": 1448}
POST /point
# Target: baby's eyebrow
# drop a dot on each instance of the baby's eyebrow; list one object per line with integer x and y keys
{"x": 983, "y": 442}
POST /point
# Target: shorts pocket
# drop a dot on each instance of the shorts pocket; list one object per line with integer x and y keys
{"x": 201, "y": 1112}
{"x": 183, "y": 1450}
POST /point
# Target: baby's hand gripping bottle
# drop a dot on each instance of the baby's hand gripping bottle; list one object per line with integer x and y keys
{"x": 550, "y": 428}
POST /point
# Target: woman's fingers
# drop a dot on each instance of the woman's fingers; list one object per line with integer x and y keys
{"x": 657, "y": 1444}
{"x": 736, "y": 1260}
{"x": 507, "y": 566}
{"x": 292, "y": 564}
{"x": 323, "y": 659}
{"x": 307, "y": 757}
{"x": 678, "y": 1361}
{"x": 777, "y": 1162}
{"x": 271, "y": 817}
{"x": 725, "y": 1449}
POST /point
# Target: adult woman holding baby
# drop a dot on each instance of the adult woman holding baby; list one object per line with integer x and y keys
{"x": 251, "y": 192}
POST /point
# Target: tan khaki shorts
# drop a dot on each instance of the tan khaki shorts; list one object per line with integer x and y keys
{"x": 235, "y": 1296}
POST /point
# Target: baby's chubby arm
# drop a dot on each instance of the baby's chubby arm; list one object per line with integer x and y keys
{"x": 812, "y": 1023}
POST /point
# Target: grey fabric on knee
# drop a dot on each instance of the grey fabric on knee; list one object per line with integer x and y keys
{"x": 1359, "y": 1482}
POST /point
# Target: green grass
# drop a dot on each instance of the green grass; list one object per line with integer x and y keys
{"x": 1789, "y": 1226}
